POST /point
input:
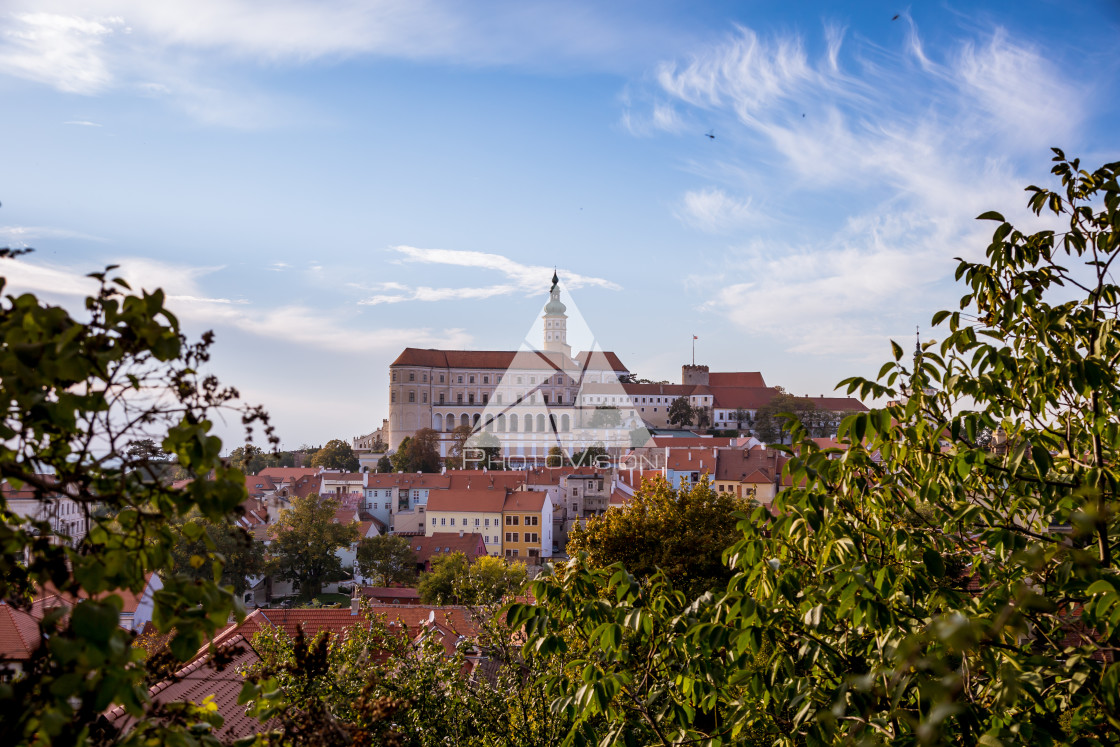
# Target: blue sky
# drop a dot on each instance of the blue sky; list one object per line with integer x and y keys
{"x": 325, "y": 183}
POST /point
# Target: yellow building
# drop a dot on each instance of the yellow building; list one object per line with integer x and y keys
{"x": 478, "y": 510}
{"x": 527, "y": 525}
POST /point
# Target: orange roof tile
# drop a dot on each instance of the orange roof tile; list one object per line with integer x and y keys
{"x": 19, "y": 634}
{"x": 475, "y": 500}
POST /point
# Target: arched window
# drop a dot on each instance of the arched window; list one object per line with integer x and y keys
{"x": 501, "y": 424}
{"x": 489, "y": 424}
{"x": 513, "y": 424}
{"x": 565, "y": 423}
{"x": 437, "y": 422}
{"x": 476, "y": 419}
{"x": 449, "y": 422}
{"x": 465, "y": 419}
{"x": 528, "y": 423}
{"x": 540, "y": 423}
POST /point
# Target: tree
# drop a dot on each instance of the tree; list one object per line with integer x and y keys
{"x": 703, "y": 417}
{"x": 680, "y": 412}
{"x": 390, "y": 558}
{"x": 206, "y": 548}
{"x": 252, "y": 459}
{"x": 772, "y": 421}
{"x": 484, "y": 450}
{"x": 851, "y": 592}
{"x": 605, "y": 416}
{"x": 459, "y": 438}
{"x": 418, "y": 452}
{"x": 683, "y": 532}
{"x": 384, "y": 464}
{"x": 455, "y": 580}
{"x": 556, "y": 457}
{"x": 79, "y": 397}
{"x": 741, "y": 416}
{"x": 593, "y": 456}
{"x": 305, "y": 541}
{"x": 336, "y": 454}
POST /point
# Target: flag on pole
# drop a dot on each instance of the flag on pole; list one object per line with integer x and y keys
{"x": 694, "y": 337}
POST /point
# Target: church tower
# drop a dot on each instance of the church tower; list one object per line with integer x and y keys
{"x": 556, "y": 322}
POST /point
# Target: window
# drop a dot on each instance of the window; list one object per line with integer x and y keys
{"x": 498, "y": 398}
{"x": 470, "y": 379}
{"x": 509, "y": 521}
{"x": 433, "y": 521}
{"x": 452, "y": 521}
{"x": 545, "y": 396}
{"x": 532, "y": 521}
{"x": 412, "y": 396}
{"x": 424, "y": 378}
{"x": 393, "y": 397}
{"x": 531, "y": 537}
{"x": 532, "y": 379}
{"x": 460, "y": 379}
{"x": 415, "y": 493}
{"x": 509, "y": 536}
{"x": 442, "y": 522}
{"x": 485, "y": 398}
{"x": 559, "y": 399}
{"x": 487, "y": 522}
{"x": 517, "y": 380}
{"x": 441, "y": 378}
{"x": 411, "y": 376}
{"x": 470, "y": 398}
{"x": 459, "y": 398}
{"x": 424, "y": 398}
{"x": 485, "y": 379}
{"x": 476, "y": 522}
{"x": 394, "y": 376}
{"x": 515, "y": 550}
{"x": 441, "y": 398}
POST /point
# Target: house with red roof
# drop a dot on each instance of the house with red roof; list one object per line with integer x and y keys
{"x": 441, "y": 544}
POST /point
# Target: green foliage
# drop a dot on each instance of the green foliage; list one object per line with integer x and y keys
{"x": 605, "y": 416}
{"x": 384, "y": 464}
{"x": 774, "y": 421}
{"x": 221, "y": 551}
{"x": 418, "y": 453}
{"x": 681, "y": 532}
{"x": 593, "y": 456}
{"x": 454, "y": 580}
{"x": 917, "y": 587}
{"x": 459, "y": 438}
{"x": 681, "y": 412}
{"x": 305, "y": 540}
{"x": 389, "y": 558}
{"x": 336, "y": 454}
{"x": 89, "y": 407}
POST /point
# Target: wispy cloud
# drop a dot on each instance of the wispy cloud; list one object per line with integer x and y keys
{"x": 714, "y": 211}
{"x": 909, "y": 174}
{"x": 82, "y": 123}
{"x": 62, "y": 50}
{"x": 294, "y": 324}
{"x": 20, "y": 235}
{"x": 521, "y": 278}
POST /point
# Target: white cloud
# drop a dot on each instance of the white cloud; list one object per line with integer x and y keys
{"x": 82, "y": 123}
{"x": 20, "y": 235}
{"x": 61, "y": 50}
{"x": 291, "y": 323}
{"x": 903, "y": 176}
{"x": 523, "y": 278}
{"x": 712, "y": 210}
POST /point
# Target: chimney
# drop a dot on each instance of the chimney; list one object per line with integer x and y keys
{"x": 460, "y": 532}
{"x": 355, "y": 602}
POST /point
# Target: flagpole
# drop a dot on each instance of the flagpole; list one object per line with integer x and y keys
{"x": 694, "y": 350}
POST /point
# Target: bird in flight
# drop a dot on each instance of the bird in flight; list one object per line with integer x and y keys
{"x": 895, "y": 17}
{"x": 711, "y": 134}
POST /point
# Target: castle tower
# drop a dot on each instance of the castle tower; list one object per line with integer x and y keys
{"x": 556, "y": 322}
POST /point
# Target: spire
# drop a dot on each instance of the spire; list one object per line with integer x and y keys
{"x": 555, "y": 279}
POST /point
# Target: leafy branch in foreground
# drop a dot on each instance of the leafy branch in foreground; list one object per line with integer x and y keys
{"x": 948, "y": 577}
{"x": 78, "y": 396}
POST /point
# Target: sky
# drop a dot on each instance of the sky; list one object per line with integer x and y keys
{"x": 325, "y": 183}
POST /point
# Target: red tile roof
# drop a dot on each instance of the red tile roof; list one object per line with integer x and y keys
{"x": 525, "y": 500}
{"x": 389, "y": 592}
{"x": 677, "y": 442}
{"x": 736, "y": 378}
{"x": 447, "y": 543}
{"x": 480, "y": 359}
{"x": 409, "y": 480}
{"x": 479, "y": 480}
{"x": 691, "y": 460}
{"x": 19, "y": 634}
{"x": 599, "y": 360}
{"x": 198, "y": 679}
{"x": 477, "y": 499}
{"x": 288, "y": 474}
